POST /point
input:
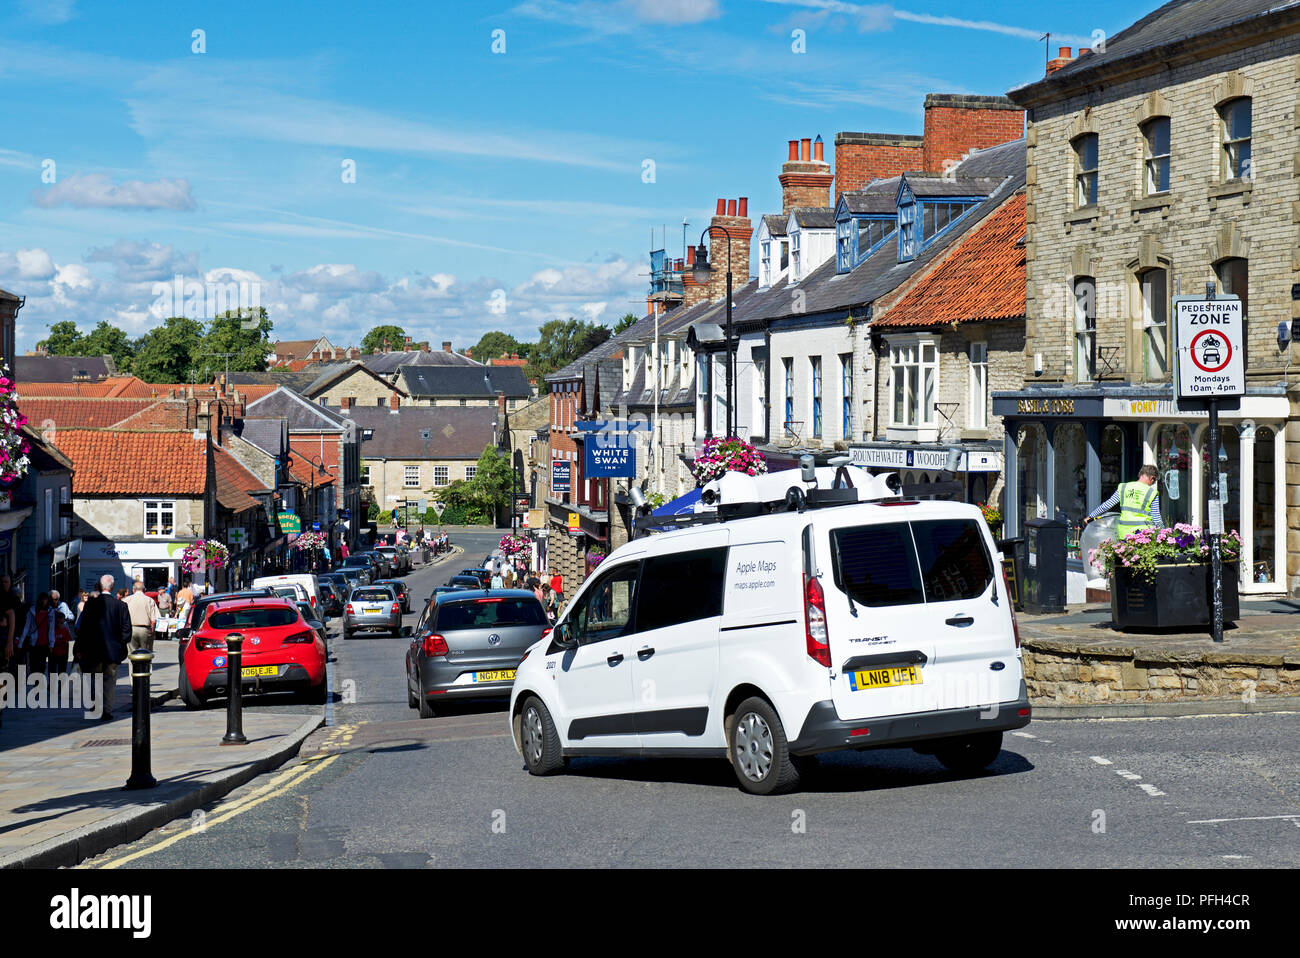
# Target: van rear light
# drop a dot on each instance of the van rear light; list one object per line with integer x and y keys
{"x": 435, "y": 644}
{"x": 313, "y": 602}
{"x": 815, "y": 622}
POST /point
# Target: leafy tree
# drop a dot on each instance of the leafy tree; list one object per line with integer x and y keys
{"x": 106, "y": 340}
{"x": 169, "y": 353}
{"x": 64, "y": 339}
{"x": 483, "y": 498}
{"x": 629, "y": 319}
{"x": 560, "y": 342}
{"x": 494, "y": 344}
{"x": 374, "y": 340}
{"x": 238, "y": 332}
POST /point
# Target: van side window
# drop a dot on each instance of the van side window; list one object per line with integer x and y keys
{"x": 681, "y": 587}
{"x": 876, "y": 564}
{"x": 954, "y": 562}
{"x": 605, "y": 611}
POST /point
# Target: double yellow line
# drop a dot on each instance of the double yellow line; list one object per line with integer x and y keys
{"x": 337, "y": 741}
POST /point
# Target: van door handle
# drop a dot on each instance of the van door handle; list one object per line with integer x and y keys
{"x": 615, "y": 658}
{"x": 645, "y": 653}
{"x": 960, "y": 621}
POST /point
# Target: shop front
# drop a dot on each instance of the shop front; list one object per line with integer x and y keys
{"x": 152, "y": 562}
{"x": 978, "y": 466}
{"x": 1068, "y": 448}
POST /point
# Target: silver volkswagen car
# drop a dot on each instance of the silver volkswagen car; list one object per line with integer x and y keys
{"x": 372, "y": 607}
{"x": 468, "y": 645}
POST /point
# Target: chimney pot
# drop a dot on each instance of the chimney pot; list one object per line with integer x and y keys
{"x": 1064, "y": 53}
{"x": 731, "y": 207}
{"x": 743, "y": 206}
{"x": 818, "y": 150}
{"x": 690, "y": 256}
{"x": 806, "y": 148}
{"x": 393, "y": 401}
{"x": 794, "y": 150}
{"x": 722, "y": 208}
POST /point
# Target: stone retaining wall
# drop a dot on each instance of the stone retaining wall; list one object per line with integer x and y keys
{"x": 1065, "y": 673}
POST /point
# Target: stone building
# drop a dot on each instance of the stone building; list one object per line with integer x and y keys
{"x": 1164, "y": 161}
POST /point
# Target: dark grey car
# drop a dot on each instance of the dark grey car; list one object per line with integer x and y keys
{"x": 469, "y": 644}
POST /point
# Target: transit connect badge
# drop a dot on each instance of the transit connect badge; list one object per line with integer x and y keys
{"x": 1209, "y": 336}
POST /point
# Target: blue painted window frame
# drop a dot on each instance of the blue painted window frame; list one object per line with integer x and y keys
{"x": 789, "y": 389}
{"x": 846, "y": 391}
{"x": 816, "y": 364}
{"x": 911, "y": 217}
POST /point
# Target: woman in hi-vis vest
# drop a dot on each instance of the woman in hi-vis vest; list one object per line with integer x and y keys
{"x": 1139, "y": 504}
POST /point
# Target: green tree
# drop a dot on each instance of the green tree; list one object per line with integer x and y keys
{"x": 483, "y": 498}
{"x": 64, "y": 339}
{"x": 560, "y": 342}
{"x": 374, "y": 340}
{"x": 494, "y": 344}
{"x": 106, "y": 340}
{"x": 238, "y": 332}
{"x": 169, "y": 353}
{"x": 628, "y": 320}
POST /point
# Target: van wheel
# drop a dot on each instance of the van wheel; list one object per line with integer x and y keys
{"x": 541, "y": 743}
{"x": 970, "y": 753}
{"x": 760, "y": 754}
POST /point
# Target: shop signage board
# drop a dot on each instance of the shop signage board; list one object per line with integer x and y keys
{"x": 973, "y": 460}
{"x": 575, "y": 524}
{"x": 1209, "y": 337}
{"x": 236, "y": 536}
{"x": 609, "y": 447}
{"x": 561, "y": 475}
{"x": 289, "y": 522}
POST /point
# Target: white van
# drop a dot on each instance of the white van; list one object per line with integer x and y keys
{"x": 802, "y": 613}
{"x": 307, "y": 586}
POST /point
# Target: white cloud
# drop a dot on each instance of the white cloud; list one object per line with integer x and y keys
{"x": 136, "y": 262}
{"x": 336, "y": 278}
{"x": 26, "y": 264}
{"x": 96, "y": 191}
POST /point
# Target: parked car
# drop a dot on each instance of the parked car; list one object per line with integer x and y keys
{"x": 439, "y": 590}
{"x": 311, "y": 618}
{"x": 466, "y": 582}
{"x": 398, "y": 560}
{"x": 483, "y": 576}
{"x": 849, "y": 619}
{"x": 334, "y": 592}
{"x": 383, "y": 563}
{"x": 281, "y": 652}
{"x": 306, "y": 582}
{"x": 198, "y": 611}
{"x": 363, "y": 566}
{"x": 469, "y": 644}
{"x": 372, "y": 607}
{"x": 401, "y": 590}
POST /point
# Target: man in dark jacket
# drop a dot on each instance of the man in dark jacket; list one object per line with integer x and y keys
{"x": 102, "y": 637}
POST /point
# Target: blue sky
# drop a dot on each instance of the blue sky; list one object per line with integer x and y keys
{"x": 475, "y": 171}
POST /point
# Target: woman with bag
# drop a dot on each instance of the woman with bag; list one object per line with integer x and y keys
{"x": 38, "y": 635}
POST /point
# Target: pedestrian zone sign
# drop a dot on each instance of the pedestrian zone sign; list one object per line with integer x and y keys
{"x": 1209, "y": 337}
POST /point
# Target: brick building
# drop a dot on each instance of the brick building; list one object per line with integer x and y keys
{"x": 1166, "y": 161}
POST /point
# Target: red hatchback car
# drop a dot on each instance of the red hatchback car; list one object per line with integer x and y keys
{"x": 281, "y": 652}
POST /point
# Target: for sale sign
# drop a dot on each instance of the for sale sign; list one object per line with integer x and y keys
{"x": 1210, "y": 361}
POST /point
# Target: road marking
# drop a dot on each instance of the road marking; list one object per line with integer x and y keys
{"x": 1256, "y": 818}
{"x": 1150, "y": 790}
{"x": 1125, "y": 773}
{"x": 1101, "y": 761}
{"x": 1024, "y": 735}
{"x": 272, "y": 789}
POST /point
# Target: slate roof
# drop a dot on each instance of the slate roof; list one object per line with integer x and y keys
{"x": 265, "y": 434}
{"x": 983, "y": 278}
{"x": 300, "y": 414}
{"x": 387, "y": 364}
{"x": 89, "y": 413}
{"x": 814, "y": 217}
{"x": 456, "y": 432}
{"x": 775, "y": 223}
{"x": 1163, "y": 30}
{"x": 119, "y": 462}
{"x": 878, "y": 197}
{"x": 930, "y": 186}
{"x": 467, "y": 382}
{"x": 61, "y": 369}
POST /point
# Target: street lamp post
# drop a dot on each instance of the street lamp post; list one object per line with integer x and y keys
{"x": 703, "y": 272}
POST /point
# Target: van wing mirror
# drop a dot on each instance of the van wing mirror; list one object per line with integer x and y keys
{"x": 564, "y": 637}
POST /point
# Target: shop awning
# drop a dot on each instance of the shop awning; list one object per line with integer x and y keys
{"x": 682, "y": 505}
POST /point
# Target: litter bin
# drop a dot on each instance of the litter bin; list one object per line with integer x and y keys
{"x": 1044, "y": 580}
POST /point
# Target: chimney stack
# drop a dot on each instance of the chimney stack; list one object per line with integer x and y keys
{"x": 394, "y": 402}
{"x": 406, "y": 344}
{"x": 735, "y": 220}
{"x": 1062, "y": 58}
{"x": 345, "y": 402}
{"x": 806, "y": 177}
{"x": 446, "y": 345}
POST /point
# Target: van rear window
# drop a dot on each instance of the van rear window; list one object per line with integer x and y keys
{"x": 901, "y": 563}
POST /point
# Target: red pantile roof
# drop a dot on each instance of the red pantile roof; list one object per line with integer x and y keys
{"x": 135, "y": 462}
{"x": 982, "y": 278}
{"x": 72, "y": 412}
{"x": 234, "y": 482}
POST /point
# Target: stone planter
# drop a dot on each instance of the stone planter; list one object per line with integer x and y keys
{"x": 1179, "y": 597}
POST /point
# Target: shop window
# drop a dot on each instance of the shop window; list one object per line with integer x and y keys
{"x": 1031, "y": 465}
{"x": 1264, "y": 494}
{"x": 1155, "y": 322}
{"x": 1235, "y": 124}
{"x": 1156, "y": 134}
{"x": 1085, "y": 170}
{"x": 1234, "y": 278}
{"x": 1113, "y": 466}
{"x": 1085, "y": 329}
{"x": 1070, "y": 447}
{"x": 1227, "y": 461}
{"x": 1173, "y": 459}
{"x": 159, "y": 518}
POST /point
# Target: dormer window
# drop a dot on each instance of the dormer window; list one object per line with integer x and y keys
{"x": 909, "y": 243}
{"x": 925, "y": 215}
{"x": 845, "y": 250}
{"x": 765, "y": 263}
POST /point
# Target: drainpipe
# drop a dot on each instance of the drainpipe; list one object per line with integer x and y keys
{"x": 767, "y": 386}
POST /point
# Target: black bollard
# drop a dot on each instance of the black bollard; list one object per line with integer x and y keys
{"x": 141, "y": 667}
{"x": 234, "y": 691}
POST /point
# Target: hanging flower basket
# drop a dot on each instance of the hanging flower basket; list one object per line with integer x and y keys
{"x": 309, "y": 540}
{"x": 204, "y": 554}
{"x": 717, "y": 457}
{"x": 595, "y": 556}
{"x": 512, "y": 546}
{"x": 14, "y": 446}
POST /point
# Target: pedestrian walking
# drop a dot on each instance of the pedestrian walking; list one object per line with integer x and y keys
{"x": 164, "y": 602}
{"x": 1139, "y": 504}
{"x": 37, "y": 636}
{"x": 10, "y": 606}
{"x": 62, "y": 641}
{"x": 58, "y": 605}
{"x": 102, "y": 636}
{"x": 144, "y": 613}
{"x": 497, "y": 581}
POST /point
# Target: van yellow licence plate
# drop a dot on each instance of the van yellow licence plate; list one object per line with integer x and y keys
{"x": 500, "y": 675}
{"x": 885, "y": 678}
